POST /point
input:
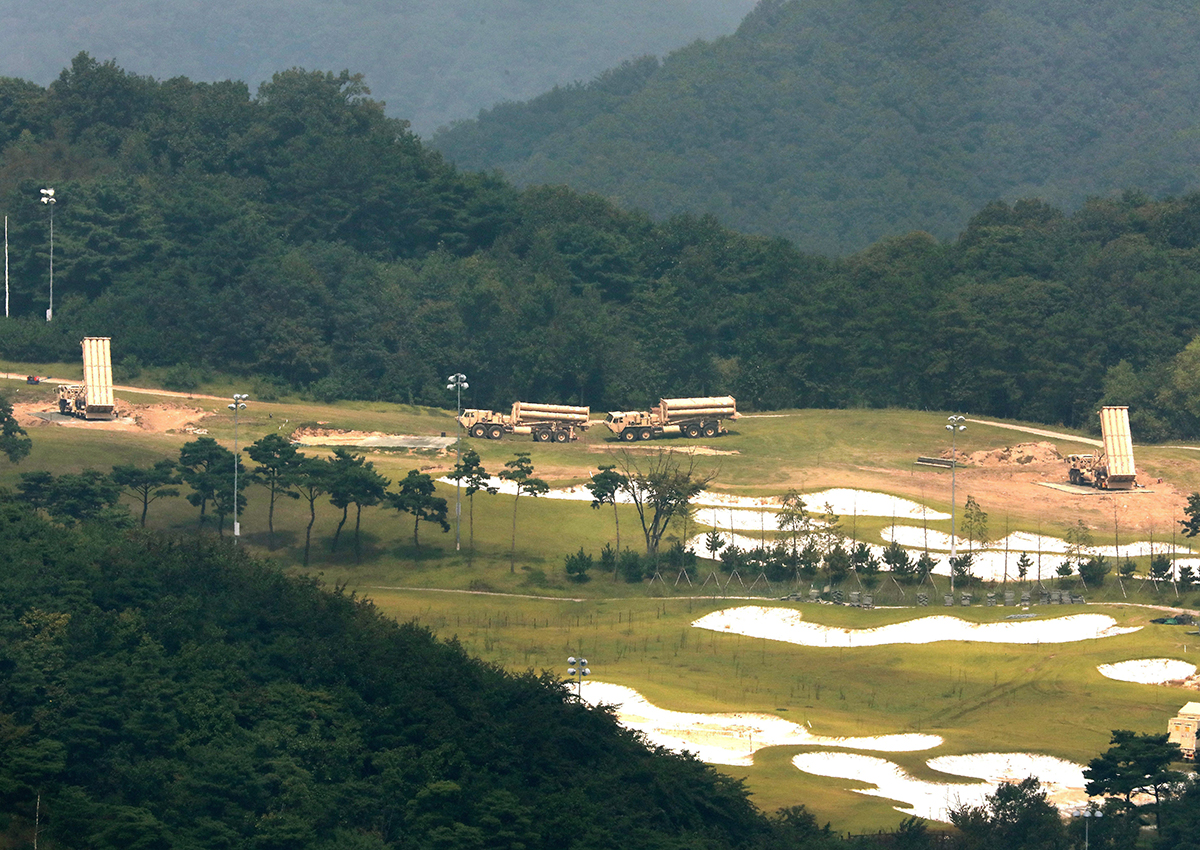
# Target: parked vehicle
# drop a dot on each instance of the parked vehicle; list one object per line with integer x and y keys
{"x": 93, "y": 399}
{"x": 545, "y": 423}
{"x": 688, "y": 417}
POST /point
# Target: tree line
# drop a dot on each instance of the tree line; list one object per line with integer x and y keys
{"x": 302, "y": 240}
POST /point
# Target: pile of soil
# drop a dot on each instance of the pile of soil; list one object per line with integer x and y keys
{"x": 311, "y": 436}
{"x": 1022, "y": 454}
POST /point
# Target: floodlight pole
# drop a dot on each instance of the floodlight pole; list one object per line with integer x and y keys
{"x": 458, "y": 383}
{"x": 954, "y": 424}
{"x": 239, "y": 403}
{"x": 1087, "y": 815}
{"x": 577, "y": 671}
{"x": 48, "y": 200}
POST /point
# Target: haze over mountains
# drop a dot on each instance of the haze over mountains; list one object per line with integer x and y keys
{"x": 432, "y": 61}
{"x": 835, "y": 124}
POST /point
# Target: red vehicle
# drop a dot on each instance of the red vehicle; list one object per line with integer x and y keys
{"x": 33, "y": 379}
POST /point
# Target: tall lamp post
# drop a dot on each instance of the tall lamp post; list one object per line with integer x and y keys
{"x": 48, "y": 200}
{"x": 1087, "y": 815}
{"x": 458, "y": 383}
{"x": 954, "y": 424}
{"x": 577, "y": 671}
{"x": 239, "y": 403}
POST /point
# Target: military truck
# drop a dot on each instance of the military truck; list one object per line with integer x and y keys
{"x": 93, "y": 399}
{"x": 1113, "y": 468}
{"x": 545, "y": 423}
{"x": 688, "y": 417}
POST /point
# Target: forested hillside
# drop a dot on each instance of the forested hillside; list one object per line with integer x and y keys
{"x": 432, "y": 61}
{"x": 836, "y": 124}
{"x": 173, "y": 693}
{"x": 301, "y": 239}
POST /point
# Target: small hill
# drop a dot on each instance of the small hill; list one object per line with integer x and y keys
{"x": 173, "y": 693}
{"x": 835, "y": 124}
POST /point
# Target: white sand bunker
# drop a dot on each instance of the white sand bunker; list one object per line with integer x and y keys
{"x": 730, "y": 739}
{"x": 787, "y": 624}
{"x": 1062, "y": 780}
{"x": 1149, "y": 671}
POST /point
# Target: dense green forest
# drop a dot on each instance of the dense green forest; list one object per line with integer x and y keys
{"x": 837, "y": 124}
{"x": 301, "y": 238}
{"x": 160, "y": 693}
{"x": 432, "y": 61}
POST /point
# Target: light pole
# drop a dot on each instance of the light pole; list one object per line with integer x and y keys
{"x": 458, "y": 383}
{"x": 1087, "y": 815}
{"x": 239, "y": 403}
{"x": 954, "y": 424}
{"x": 577, "y": 671}
{"x": 48, "y": 199}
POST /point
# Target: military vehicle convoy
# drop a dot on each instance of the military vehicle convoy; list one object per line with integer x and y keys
{"x": 689, "y": 417}
{"x": 545, "y": 423}
{"x": 1113, "y": 469}
{"x": 93, "y": 399}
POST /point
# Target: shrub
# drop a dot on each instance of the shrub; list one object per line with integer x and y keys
{"x": 631, "y": 567}
{"x": 577, "y": 566}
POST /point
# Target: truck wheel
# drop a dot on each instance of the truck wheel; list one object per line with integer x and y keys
{"x": 646, "y": 434}
{"x": 710, "y": 429}
{"x": 495, "y": 432}
{"x": 1074, "y": 476}
{"x": 561, "y": 436}
{"x": 63, "y": 407}
{"x": 691, "y": 430}
{"x": 542, "y": 436}
{"x": 629, "y": 435}
{"x": 478, "y": 431}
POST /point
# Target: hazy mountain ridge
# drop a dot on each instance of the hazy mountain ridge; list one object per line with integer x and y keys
{"x": 837, "y": 124}
{"x": 431, "y": 62}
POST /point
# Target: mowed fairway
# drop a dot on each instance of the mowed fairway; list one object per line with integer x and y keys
{"x": 518, "y": 610}
{"x": 979, "y": 697}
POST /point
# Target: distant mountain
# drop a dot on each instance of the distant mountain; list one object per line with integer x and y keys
{"x": 835, "y": 124}
{"x": 432, "y": 61}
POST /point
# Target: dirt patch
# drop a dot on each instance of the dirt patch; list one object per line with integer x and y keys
{"x": 691, "y": 450}
{"x": 310, "y": 436}
{"x": 156, "y": 418}
{"x": 1022, "y": 454}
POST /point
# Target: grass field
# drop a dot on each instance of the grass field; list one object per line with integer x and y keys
{"x": 978, "y": 697}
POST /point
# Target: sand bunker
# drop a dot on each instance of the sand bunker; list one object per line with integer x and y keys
{"x": 1149, "y": 671}
{"x": 1062, "y": 780}
{"x": 730, "y": 739}
{"x": 752, "y": 512}
{"x": 786, "y": 624}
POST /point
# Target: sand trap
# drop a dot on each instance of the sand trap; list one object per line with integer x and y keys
{"x": 759, "y": 509}
{"x": 1149, "y": 671}
{"x": 786, "y": 624}
{"x": 1062, "y": 780}
{"x": 730, "y": 739}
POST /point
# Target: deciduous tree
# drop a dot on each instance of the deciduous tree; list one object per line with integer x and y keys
{"x": 470, "y": 472}
{"x": 604, "y": 486}
{"x": 353, "y": 481}
{"x": 278, "y": 463}
{"x": 418, "y": 496}
{"x": 661, "y": 488}
{"x": 147, "y": 485}
{"x": 13, "y": 441}
{"x": 519, "y": 470}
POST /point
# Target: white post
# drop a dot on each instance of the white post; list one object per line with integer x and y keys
{"x": 239, "y": 403}
{"x": 48, "y": 200}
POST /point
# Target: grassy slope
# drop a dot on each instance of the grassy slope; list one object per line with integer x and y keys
{"x": 980, "y": 698}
